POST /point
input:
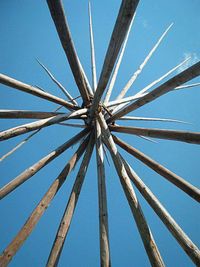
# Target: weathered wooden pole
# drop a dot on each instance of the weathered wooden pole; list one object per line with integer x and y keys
{"x": 103, "y": 212}
{"x": 35, "y": 91}
{"x": 25, "y": 128}
{"x": 164, "y": 88}
{"x": 189, "y": 247}
{"x": 25, "y": 175}
{"x": 183, "y": 136}
{"x": 29, "y": 225}
{"x": 70, "y": 208}
{"x": 143, "y": 228}
{"x": 181, "y": 183}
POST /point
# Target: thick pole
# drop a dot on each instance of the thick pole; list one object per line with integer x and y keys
{"x": 103, "y": 212}
{"x": 189, "y": 247}
{"x": 169, "y": 85}
{"x": 71, "y": 205}
{"x": 26, "y": 114}
{"x": 60, "y": 21}
{"x": 189, "y": 189}
{"x": 183, "y": 136}
{"x": 35, "y": 91}
{"x": 25, "y": 175}
{"x": 25, "y": 128}
{"x": 123, "y": 21}
{"x": 143, "y": 228}
{"x": 35, "y": 216}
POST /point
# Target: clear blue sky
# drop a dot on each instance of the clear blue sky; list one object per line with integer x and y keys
{"x": 27, "y": 32}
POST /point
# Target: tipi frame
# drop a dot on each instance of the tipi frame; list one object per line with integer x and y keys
{"x": 99, "y": 116}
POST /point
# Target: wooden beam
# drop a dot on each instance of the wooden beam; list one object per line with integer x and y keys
{"x": 60, "y": 21}
{"x": 70, "y": 208}
{"x": 35, "y": 91}
{"x": 26, "y": 114}
{"x": 183, "y": 136}
{"x": 37, "y": 213}
{"x": 132, "y": 118}
{"x": 169, "y": 85}
{"x": 189, "y": 247}
{"x": 28, "y": 173}
{"x": 123, "y": 21}
{"x": 143, "y": 228}
{"x": 181, "y": 183}
{"x": 93, "y": 63}
{"x": 117, "y": 66}
{"x": 25, "y": 128}
{"x": 105, "y": 260}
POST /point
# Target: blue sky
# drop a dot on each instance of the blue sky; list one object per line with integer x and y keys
{"x": 27, "y": 33}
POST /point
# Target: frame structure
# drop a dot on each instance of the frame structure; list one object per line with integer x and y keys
{"x": 98, "y": 118}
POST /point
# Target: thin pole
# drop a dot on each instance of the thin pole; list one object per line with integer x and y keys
{"x": 145, "y": 89}
{"x": 183, "y": 136}
{"x": 25, "y": 128}
{"x": 18, "y": 145}
{"x": 8, "y": 81}
{"x": 187, "y": 86}
{"x": 103, "y": 212}
{"x": 70, "y": 208}
{"x": 93, "y": 63}
{"x": 141, "y": 67}
{"x": 60, "y": 21}
{"x": 143, "y": 228}
{"x": 181, "y": 183}
{"x": 117, "y": 66}
{"x": 123, "y": 101}
{"x": 169, "y": 85}
{"x": 65, "y": 92}
{"x": 35, "y": 216}
{"x": 25, "y": 175}
{"x": 189, "y": 247}
{"x": 123, "y": 21}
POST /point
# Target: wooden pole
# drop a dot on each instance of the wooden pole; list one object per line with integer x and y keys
{"x": 105, "y": 260}
{"x": 169, "y": 85}
{"x": 123, "y": 101}
{"x": 189, "y": 247}
{"x": 146, "y": 88}
{"x": 183, "y": 136}
{"x": 187, "y": 86}
{"x": 93, "y": 63}
{"x": 35, "y": 216}
{"x": 71, "y": 205}
{"x": 60, "y": 21}
{"x": 18, "y": 145}
{"x": 65, "y": 92}
{"x": 123, "y": 21}
{"x": 26, "y": 114}
{"x": 141, "y": 67}
{"x": 144, "y": 230}
{"x": 25, "y": 128}
{"x": 117, "y": 66}
{"x": 25, "y": 175}
{"x": 132, "y": 118}
{"x": 35, "y": 91}
{"x": 181, "y": 183}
